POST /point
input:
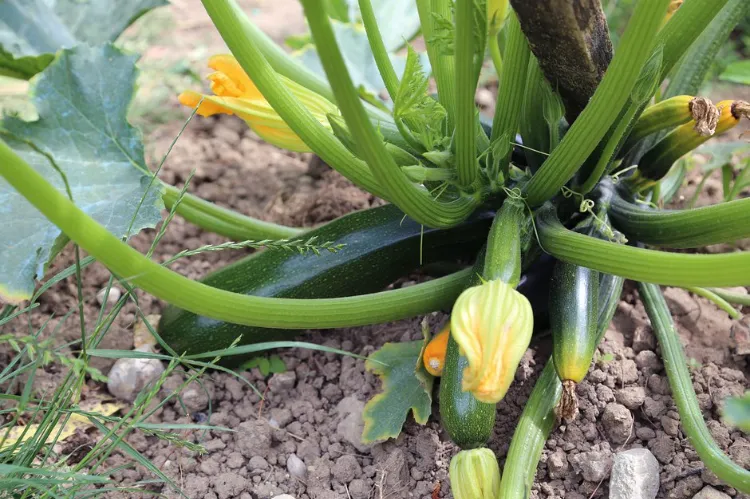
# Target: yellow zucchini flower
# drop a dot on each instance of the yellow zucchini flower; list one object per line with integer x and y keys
{"x": 492, "y": 325}
{"x": 235, "y": 93}
{"x": 475, "y": 474}
{"x": 497, "y": 12}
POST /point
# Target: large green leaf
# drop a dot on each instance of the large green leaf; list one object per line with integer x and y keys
{"x": 407, "y": 386}
{"x": 82, "y": 99}
{"x": 32, "y": 31}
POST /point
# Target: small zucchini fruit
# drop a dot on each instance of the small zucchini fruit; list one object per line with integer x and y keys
{"x": 574, "y": 293}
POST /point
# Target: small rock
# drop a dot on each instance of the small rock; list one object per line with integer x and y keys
{"x": 351, "y": 426}
{"x": 280, "y": 417}
{"x": 643, "y": 339}
{"x": 358, "y": 489}
{"x": 659, "y": 384}
{"x": 635, "y": 475}
{"x": 485, "y": 99}
{"x": 195, "y": 396}
{"x": 645, "y": 433}
{"x": 653, "y": 409}
{"x": 557, "y": 464}
{"x": 709, "y": 492}
{"x": 648, "y": 361}
{"x": 257, "y": 463}
{"x": 281, "y": 382}
{"x": 346, "y": 468}
{"x": 253, "y": 438}
{"x": 594, "y": 466}
{"x": 739, "y": 451}
{"x": 671, "y": 426}
{"x": 296, "y": 467}
{"x": 283, "y": 496}
{"x": 141, "y": 333}
{"x": 604, "y": 393}
{"x": 663, "y": 447}
{"x": 618, "y": 422}
{"x": 129, "y": 376}
{"x": 741, "y": 333}
{"x": 228, "y": 485}
{"x": 628, "y": 371}
{"x": 631, "y": 397}
{"x": 112, "y": 297}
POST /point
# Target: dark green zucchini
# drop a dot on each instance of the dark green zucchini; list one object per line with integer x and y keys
{"x": 381, "y": 246}
{"x": 468, "y": 421}
{"x": 573, "y": 305}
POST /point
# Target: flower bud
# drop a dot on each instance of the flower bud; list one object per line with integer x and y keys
{"x": 475, "y": 474}
{"x": 492, "y": 325}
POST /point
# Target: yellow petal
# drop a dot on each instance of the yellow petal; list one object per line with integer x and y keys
{"x": 227, "y": 64}
{"x": 475, "y": 474}
{"x": 208, "y": 107}
{"x": 492, "y": 324}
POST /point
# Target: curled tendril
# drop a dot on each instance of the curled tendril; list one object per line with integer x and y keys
{"x": 616, "y": 177}
{"x": 587, "y": 206}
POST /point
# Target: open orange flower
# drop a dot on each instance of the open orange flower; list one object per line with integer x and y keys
{"x": 492, "y": 325}
{"x": 235, "y": 93}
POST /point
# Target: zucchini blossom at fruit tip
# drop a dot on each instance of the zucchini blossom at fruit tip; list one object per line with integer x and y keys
{"x": 475, "y": 474}
{"x": 235, "y": 93}
{"x": 492, "y": 325}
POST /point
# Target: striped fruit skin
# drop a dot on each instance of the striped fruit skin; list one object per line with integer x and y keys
{"x": 574, "y": 295}
{"x": 380, "y": 247}
{"x": 468, "y": 421}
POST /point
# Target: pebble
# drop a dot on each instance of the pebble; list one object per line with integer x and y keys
{"x": 594, "y": 466}
{"x": 129, "y": 376}
{"x": 709, "y": 492}
{"x": 635, "y": 475}
{"x": 631, "y": 397}
{"x": 142, "y": 335}
{"x": 618, "y": 423}
{"x": 283, "y": 496}
{"x": 296, "y": 467}
{"x": 112, "y": 297}
{"x": 281, "y": 382}
{"x": 648, "y": 360}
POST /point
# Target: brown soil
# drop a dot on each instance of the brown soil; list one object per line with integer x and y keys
{"x": 303, "y": 439}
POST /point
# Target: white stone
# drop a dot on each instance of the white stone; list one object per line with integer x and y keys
{"x": 296, "y": 467}
{"x": 283, "y": 496}
{"x": 112, "y": 297}
{"x": 635, "y": 475}
{"x": 709, "y": 492}
{"x": 129, "y": 376}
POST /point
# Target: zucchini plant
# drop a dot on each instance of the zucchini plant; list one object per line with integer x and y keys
{"x": 561, "y": 195}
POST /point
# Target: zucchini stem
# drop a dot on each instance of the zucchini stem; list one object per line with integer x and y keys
{"x": 639, "y": 264}
{"x": 691, "y": 417}
{"x": 223, "y": 221}
{"x": 413, "y": 199}
{"x": 283, "y": 313}
{"x": 533, "y": 429}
